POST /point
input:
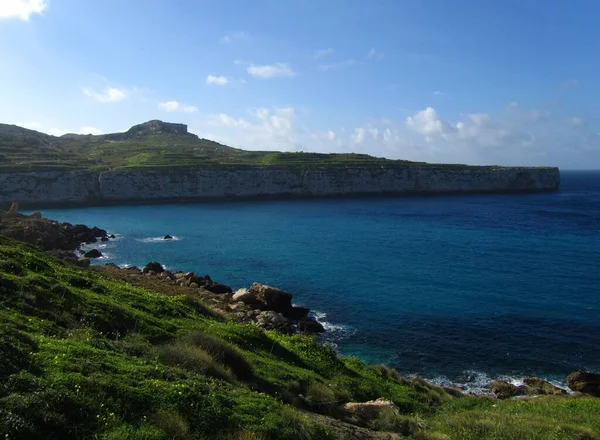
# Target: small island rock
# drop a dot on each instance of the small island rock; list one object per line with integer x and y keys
{"x": 167, "y": 237}
{"x": 93, "y": 253}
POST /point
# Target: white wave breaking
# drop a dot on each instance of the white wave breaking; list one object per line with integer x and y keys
{"x": 158, "y": 239}
{"x": 478, "y": 382}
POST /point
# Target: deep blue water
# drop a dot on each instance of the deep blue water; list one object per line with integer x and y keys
{"x": 453, "y": 288}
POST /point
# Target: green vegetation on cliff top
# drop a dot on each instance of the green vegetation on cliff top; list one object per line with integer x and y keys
{"x": 156, "y": 144}
{"x": 84, "y": 355}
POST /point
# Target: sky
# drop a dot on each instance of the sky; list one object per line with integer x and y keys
{"x": 511, "y": 82}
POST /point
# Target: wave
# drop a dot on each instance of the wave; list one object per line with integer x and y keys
{"x": 478, "y": 382}
{"x": 333, "y": 331}
{"x": 160, "y": 239}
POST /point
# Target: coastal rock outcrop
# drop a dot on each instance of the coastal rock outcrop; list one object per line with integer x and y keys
{"x": 275, "y": 299}
{"x": 584, "y": 382}
{"x": 93, "y": 253}
{"x": 537, "y": 386}
{"x": 153, "y": 266}
{"x": 270, "y": 320}
{"x": 47, "y": 234}
{"x": 504, "y": 390}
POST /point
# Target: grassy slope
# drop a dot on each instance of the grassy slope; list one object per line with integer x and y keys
{"x": 83, "y": 355}
{"x": 24, "y": 150}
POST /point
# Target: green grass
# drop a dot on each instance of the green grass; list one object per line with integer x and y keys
{"x": 85, "y": 356}
{"x": 28, "y": 150}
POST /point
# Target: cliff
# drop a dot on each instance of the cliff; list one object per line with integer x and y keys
{"x": 162, "y": 161}
{"x": 84, "y": 187}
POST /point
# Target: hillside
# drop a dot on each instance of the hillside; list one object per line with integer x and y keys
{"x": 151, "y": 144}
{"x": 108, "y": 353}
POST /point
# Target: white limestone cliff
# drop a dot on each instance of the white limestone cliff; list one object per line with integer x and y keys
{"x": 142, "y": 185}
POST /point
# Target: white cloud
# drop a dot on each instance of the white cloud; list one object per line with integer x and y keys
{"x": 91, "y": 130}
{"x": 267, "y": 71}
{"x": 83, "y": 130}
{"x": 176, "y": 107}
{"x": 109, "y": 94}
{"x": 322, "y": 53}
{"x": 511, "y": 136}
{"x": 359, "y": 135}
{"x": 22, "y": 9}
{"x": 374, "y": 54}
{"x": 56, "y": 132}
{"x": 427, "y": 123}
{"x": 268, "y": 129}
{"x": 217, "y": 80}
{"x": 337, "y": 65}
{"x": 228, "y": 39}
{"x": 437, "y": 93}
{"x": 575, "y": 121}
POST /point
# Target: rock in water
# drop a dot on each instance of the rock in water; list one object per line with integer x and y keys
{"x": 585, "y": 382}
{"x": 310, "y": 325}
{"x": 154, "y": 266}
{"x": 537, "y": 386}
{"x": 94, "y": 253}
{"x": 275, "y": 299}
{"x": 504, "y": 390}
{"x": 167, "y": 237}
{"x": 297, "y": 313}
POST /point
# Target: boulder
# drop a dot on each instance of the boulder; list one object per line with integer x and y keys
{"x": 167, "y": 237}
{"x": 270, "y": 320}
{"x": 37, "y": 215}
{"x": 94, "y": 253}
{"x": 154, "y": 266}
{"x": 217, "y": 288}
{"x": 111, "y": 236}
{"x": 368, "y": 411}
{"x": 297, "y": 313}
{"x": 504, "y": 390}
{"x": 537, "y": 386}
{"x": 104, "y": 239}
{"x": 584, "y": 382}
{"x": 275, "y": 299}
{"x": 310, "y": 325}
{"x": 98, "y": 233}
{"x": 245, "y": 296}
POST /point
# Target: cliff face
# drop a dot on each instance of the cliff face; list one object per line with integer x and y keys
{"x": 83, "y": 187}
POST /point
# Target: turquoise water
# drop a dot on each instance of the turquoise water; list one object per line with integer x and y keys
{"x": 458, "y": 289}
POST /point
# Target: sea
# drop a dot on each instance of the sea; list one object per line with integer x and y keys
{"x": 459, "y": 289}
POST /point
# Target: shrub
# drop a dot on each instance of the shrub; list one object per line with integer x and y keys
{"x": 321, "y": 397}
{"x": 223, "y": 353}
{"x": 173, "y": 424}
{"x": 390, "y": 420}
{"x": 128, "y": 432}
{"x": 192, "y": 358}
{"x": 135, "y": 344}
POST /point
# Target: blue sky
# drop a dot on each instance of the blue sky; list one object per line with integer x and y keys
{"x": 471, "y": 81}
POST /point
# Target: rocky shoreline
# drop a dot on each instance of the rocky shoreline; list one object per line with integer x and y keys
{"x": 264, "y": 306}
